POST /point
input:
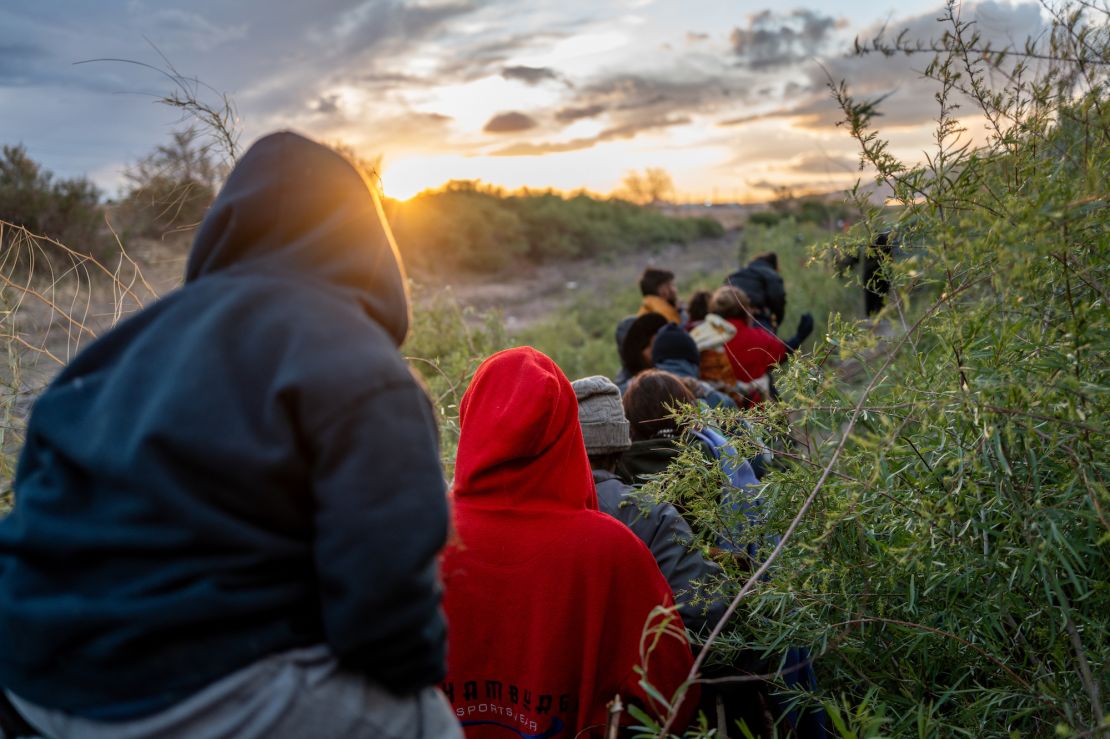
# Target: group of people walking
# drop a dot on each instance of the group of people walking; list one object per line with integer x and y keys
{"x": 231, "y": 521}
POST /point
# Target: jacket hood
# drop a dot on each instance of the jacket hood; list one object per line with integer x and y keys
{"x": 295, "y": 206}
{"x": 520, "y": 444}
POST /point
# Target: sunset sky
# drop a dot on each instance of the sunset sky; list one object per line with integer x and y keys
{"x": 729, "y": 97}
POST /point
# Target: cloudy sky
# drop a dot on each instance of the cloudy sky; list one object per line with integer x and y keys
{"x": 730, "y": 97}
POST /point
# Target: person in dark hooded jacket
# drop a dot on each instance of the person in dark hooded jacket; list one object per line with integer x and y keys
{"x": 763, "y": 285}
{"x": 658, "y": 525}
{"x": 228, "y": 508}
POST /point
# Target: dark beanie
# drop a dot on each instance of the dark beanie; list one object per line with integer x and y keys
{"x": 673, "y": 343}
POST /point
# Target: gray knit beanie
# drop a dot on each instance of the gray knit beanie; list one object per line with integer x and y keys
{"x": 604, "y": 427}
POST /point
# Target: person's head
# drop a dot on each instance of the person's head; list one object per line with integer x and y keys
{"x": 698, "y": 307}
{"x": 646, "y": 403}
{"x": 604, "y": 427}
{"x": 731, "y": 302}
{"x": 670, "y": 343}
{"x": 769, "y": 257}
{"x": 518, "y": 424}
{"x": 659, "y": 282}
{"x": 636, "y": 349}
{"x": 330, "y": 226}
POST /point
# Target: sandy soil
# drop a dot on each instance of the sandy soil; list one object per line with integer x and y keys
{"x": 532, "y": 293}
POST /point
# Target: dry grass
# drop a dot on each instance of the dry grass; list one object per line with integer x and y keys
{"x": 53, "y": 301}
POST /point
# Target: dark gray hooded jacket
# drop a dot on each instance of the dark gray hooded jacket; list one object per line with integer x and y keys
{"x": 663, "y": 530}
{"x": 244, "y": 467}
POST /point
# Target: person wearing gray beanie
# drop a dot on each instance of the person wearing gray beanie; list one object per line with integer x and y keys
{"x": 658, "y": 525}
{"x": 604, "y": 427}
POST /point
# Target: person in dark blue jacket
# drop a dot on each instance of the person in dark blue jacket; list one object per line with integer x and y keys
{"x": 228, "y": 509}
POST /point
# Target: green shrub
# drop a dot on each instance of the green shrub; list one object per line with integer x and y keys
{"x": 445, "y": 346}
{"x": 172, "y": 187}
{"x": 66, "y": 210}
{"x": 947, "y": 513}
{"x": 466, "y": 225}
{"x": 459, "y": 226}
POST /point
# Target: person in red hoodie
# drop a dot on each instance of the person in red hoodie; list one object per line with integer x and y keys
{"x": 546, "y": 597}
{"x": 754, "y": 350}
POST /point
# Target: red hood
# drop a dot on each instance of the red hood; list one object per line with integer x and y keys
{"x": 520, "y": 445}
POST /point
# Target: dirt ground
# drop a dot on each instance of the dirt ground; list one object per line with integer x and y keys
{"x": 526, "y": 294}
{"x": 532, "y": 293}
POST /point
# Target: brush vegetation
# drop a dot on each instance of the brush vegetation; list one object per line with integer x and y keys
{"x": 940, "y": 500}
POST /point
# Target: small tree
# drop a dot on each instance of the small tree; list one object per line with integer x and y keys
{"x": 172, "y": 187}
{"x": 652, "y": 187}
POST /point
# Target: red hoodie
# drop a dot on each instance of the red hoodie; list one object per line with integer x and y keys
{"x": 546, "y": 597}
{"x": 753, "y": 350}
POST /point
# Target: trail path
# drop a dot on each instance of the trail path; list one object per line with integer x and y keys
{"x": 532, "y": 293}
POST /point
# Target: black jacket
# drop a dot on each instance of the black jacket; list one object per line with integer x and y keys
{"x": 663, "y": 530}
{"x": 244, "y": 467}
{"x": 763, "y": 286}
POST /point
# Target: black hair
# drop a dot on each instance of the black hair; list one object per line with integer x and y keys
{"x": 652, "y": 279}
{"x": 607, "y": 462}
{"x": 698, "y": 307}
{"x": 639, "y": 336}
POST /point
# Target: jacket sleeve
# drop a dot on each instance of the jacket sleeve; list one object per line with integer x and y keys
{"x": 688, "y": 572}
{"x": 381, "y": 517}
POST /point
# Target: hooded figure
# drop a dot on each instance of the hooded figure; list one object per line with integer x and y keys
{"x": 763, "y": 285}
{"x": 546, "y": 597}
{"x": 245, "y": 469}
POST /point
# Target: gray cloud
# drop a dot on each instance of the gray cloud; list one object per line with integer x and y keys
{"x": 569, "y": 115}
{"x": 327, "y": 104}
{"x": 821, "y": 163}
{"x": 775, "y": 40}
{"x": 529, "y": 75}
{"x": 510, "y": 122}
{"x": 626, "y": 131}
{"x": 907, "y": 97}
{"x": 18, "y": 60}
{"x": 695, "y": 37}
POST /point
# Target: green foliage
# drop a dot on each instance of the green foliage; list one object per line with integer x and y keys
{"x": 459, "y": 226}
{"x": 445, "y": 346}
{"x": 946, "y": 516}
{"x": 481, "y": 229}
{"x": 820, "y": 210}
{"x": 67, "y": 210}
{"x": 172, "y": 187}
{"x": 581, "y": 337}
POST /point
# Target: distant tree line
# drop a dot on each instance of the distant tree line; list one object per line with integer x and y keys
{"x": 463, "y": 225}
